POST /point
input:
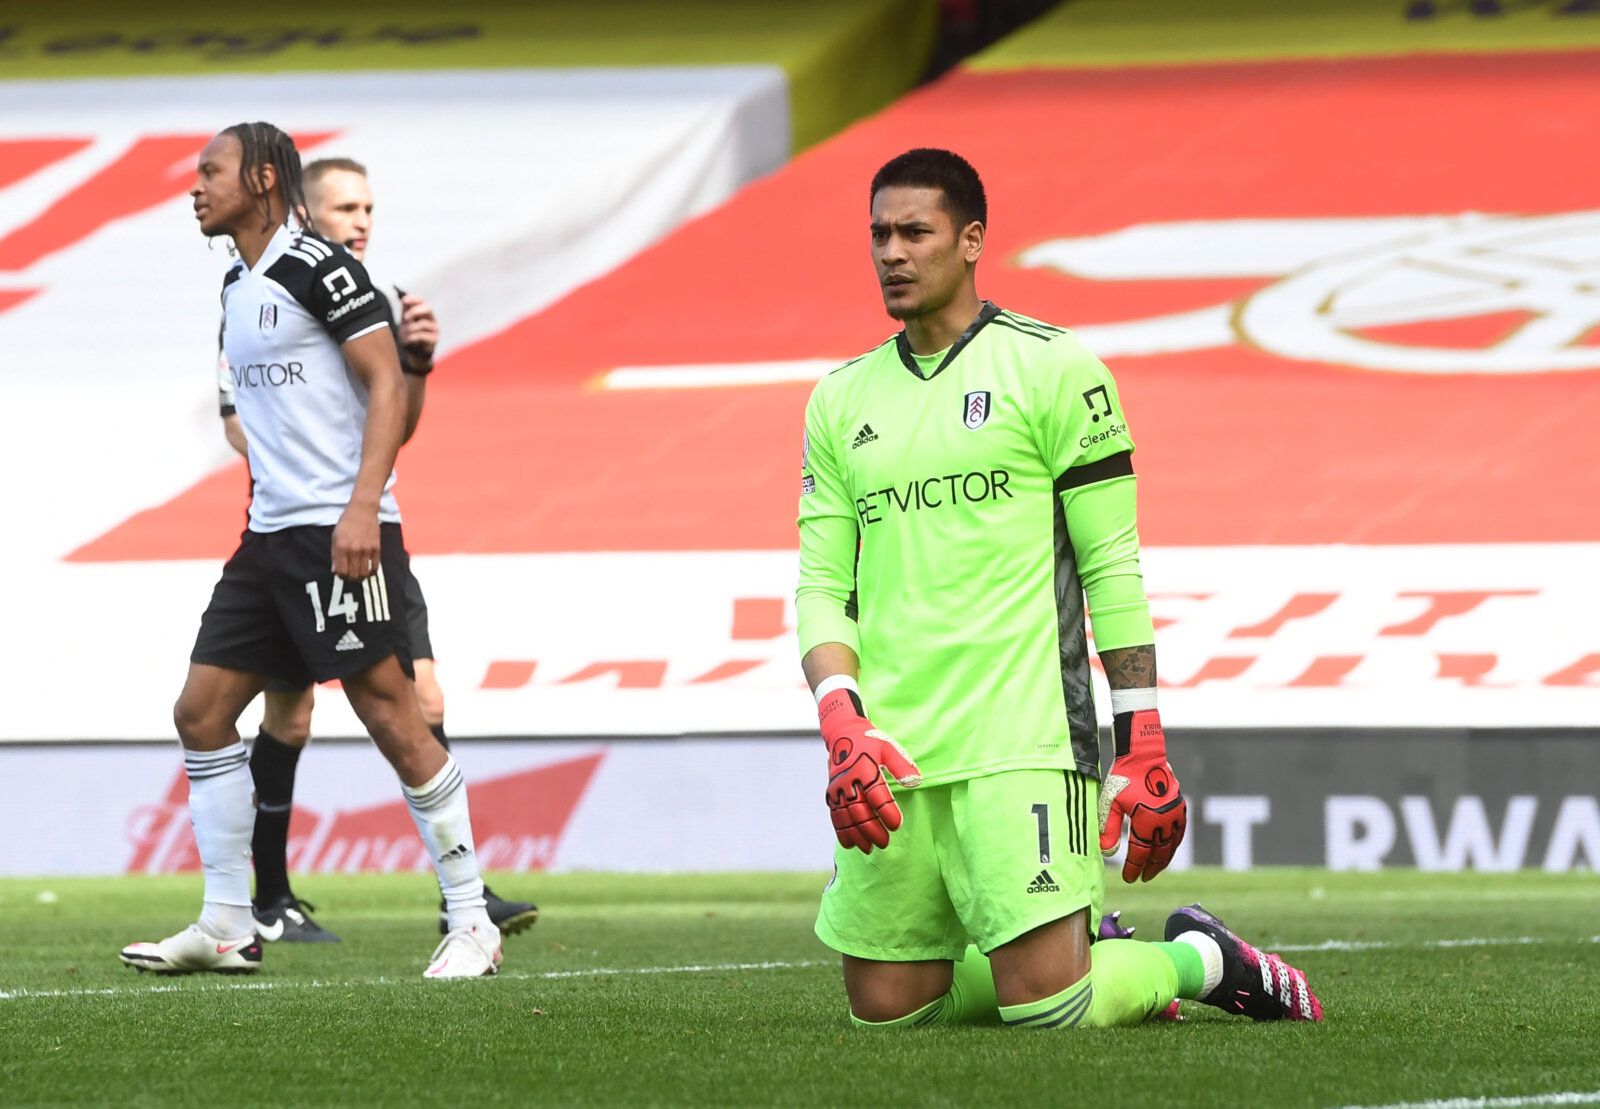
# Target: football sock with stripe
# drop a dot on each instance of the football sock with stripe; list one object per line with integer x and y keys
{"x": 444, "y": 741}
{"x": 272, "y": 767}
{"x": 439, "y": 808}
{"x": 220, "y": 810}
{"x": 1073, "y": 1007}
{"x": 1128, "y": 983}
{"x": 971, "y": 999}
{"x": 930, "y": 1014}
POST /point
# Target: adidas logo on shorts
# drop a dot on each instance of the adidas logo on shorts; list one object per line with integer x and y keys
{"x": 348, "y": 642}
{"x": 1043, "y": 884}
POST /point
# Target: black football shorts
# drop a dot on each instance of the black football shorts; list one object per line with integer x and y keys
{"x": 417, "y": 616}
{"x": 279, "y": 610}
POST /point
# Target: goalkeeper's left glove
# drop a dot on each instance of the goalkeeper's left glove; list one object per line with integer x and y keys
{"x": 1142, "y": 787}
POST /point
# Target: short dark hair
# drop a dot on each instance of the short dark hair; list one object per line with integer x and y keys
{"x": 263, "y": 144}
{"x": 931, "y": 168}
{"x": 317, "y": 170}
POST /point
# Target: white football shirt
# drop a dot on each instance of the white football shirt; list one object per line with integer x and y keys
{"x": 302, "y": 410}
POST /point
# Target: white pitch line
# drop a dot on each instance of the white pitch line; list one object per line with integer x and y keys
{"x": 323, "y": 984}
{"x": 1387, "y": 945}
{"x": 1583, "y": 892}
{"x": 1566, "y": 1097}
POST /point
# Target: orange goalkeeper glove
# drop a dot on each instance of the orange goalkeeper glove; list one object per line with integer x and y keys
{"x": 1142, "y": 788}
{"x": 859, "y": 757}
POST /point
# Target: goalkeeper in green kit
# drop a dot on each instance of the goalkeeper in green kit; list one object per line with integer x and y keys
{"x": 965, "y": 487}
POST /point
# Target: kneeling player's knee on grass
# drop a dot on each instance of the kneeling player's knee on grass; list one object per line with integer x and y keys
{"x": 880, "y": 1013}
{"x": 880, "y": 998}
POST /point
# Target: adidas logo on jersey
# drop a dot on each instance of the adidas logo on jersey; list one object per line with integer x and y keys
{"x": 348, "y": 642}
{"x": 1043, "y": 884}
{"x": 864, "y": 436}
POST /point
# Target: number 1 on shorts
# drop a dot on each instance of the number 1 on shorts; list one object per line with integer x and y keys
{"x": 316, "y": 604}
{"x": 1041, "y": 813}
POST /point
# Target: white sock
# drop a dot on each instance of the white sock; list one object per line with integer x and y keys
{"x": 439, "y": 807}
{"x": 1210, "y": 954}
{"x": 223, "y": 814}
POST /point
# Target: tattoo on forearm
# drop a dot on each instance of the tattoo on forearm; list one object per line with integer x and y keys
{"x": 1131, "y": 667}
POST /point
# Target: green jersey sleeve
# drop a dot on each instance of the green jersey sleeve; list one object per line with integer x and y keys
{"x": 1105, "y": 540}
{"x": 825, "y": 602}
{"x": 1078, "y": 419}
{"x": 1083, "y": 436}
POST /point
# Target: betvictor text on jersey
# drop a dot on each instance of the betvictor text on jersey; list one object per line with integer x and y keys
{"x": 257, "y": 374}
{"x": 934, "y": 492}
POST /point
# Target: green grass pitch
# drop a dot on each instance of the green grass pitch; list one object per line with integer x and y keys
{"x": 711, "y": 990}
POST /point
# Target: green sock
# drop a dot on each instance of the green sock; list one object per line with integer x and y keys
{"x": 1191, "y": 968}
{"x": 971, "y": 999}
{"x": 1128, "y": 983}
{"x": 1134, "y": 981}
{"x": 930, "y": 1014}
{"x": 1067, "y": 1009}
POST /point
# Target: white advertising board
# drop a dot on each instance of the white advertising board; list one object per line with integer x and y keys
{"x": 682, "y": 643}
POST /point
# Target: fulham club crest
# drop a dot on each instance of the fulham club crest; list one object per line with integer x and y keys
{"x": 975, "y": 410}
{"x": 269, "y": 317}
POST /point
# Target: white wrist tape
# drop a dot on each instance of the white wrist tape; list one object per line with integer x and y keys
{"x": 834, "y": 682}
{"x": 1132, "y": 700}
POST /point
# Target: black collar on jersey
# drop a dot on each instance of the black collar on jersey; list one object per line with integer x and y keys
{"x": 902, "y": 344}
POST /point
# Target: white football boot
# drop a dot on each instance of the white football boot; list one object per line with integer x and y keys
{"x": 469, "y": 952}
{"x": 193, "y": 950}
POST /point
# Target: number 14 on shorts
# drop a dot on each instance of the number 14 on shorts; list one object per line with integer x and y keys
{"x": 342, "y": 600}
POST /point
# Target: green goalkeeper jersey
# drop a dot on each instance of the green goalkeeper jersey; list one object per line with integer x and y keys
{"x": 934, "y": 541}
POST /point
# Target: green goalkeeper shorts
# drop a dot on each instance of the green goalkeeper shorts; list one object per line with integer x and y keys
{"x": 979, "y": 861}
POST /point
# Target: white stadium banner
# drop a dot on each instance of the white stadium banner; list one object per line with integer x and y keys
{"x": 684, "y": 643}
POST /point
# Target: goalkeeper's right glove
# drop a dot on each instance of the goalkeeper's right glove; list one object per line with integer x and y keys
{"x": 859, "y": 756}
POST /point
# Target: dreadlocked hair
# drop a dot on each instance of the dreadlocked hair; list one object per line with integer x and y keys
{"x": 265, "y": 145}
